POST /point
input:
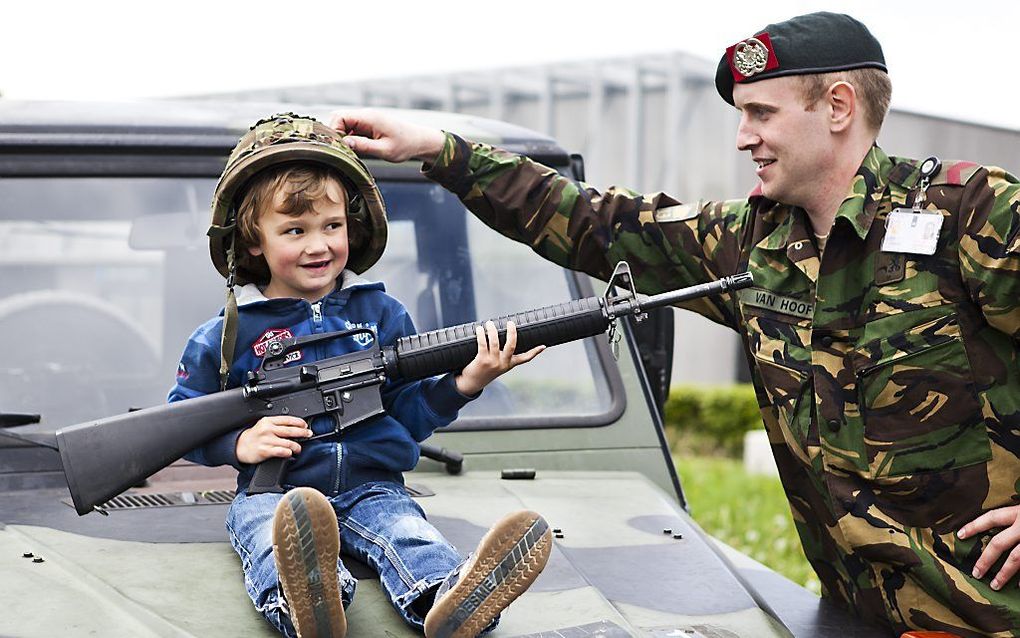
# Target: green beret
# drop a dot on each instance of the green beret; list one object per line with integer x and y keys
{"x": 820, "y": 42}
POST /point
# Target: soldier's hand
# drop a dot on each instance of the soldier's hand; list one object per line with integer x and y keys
{"x": 370, "y": 132}
{"x": 1006, "y": 541}
{"x": 271, "y": 436}
{"x": 491, "y": 360}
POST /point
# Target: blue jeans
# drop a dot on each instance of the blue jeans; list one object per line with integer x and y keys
{"x": 379, "y": 524}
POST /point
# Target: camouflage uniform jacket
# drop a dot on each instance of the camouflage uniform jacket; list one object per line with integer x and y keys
{"x": 889, "y": 384}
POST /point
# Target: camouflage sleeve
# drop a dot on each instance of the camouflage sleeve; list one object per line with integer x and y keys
{"x": 990, "y": 247}
{"x": 668, "y": 244}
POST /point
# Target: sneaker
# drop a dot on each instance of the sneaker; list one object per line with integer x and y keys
{"x": 508, "y": 559}
{"x": 306, "y": 544}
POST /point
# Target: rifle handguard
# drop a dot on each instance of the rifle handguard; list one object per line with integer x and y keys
{"x": 431, "y": 353}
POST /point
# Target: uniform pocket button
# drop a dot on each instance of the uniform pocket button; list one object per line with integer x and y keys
{"x": 826, "y": 341}
{"x": 834, "y": 424}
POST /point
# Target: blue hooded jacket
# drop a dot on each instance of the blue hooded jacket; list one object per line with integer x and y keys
{"x": 379, "y": 449}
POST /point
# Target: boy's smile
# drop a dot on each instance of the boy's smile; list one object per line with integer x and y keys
{"x": 305, "y": 253}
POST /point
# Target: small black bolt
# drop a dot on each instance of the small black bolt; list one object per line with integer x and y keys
{"x": 667, "y": 531}
{"x": 37, "y": 559}
{"x": 678, "y": 536}
{"x": 27, "y": 555}
{"x": 558, "y": 535}
{"x": 557, "y": 530}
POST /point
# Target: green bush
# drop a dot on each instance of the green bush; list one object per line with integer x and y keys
{"x": 711, "y": 420}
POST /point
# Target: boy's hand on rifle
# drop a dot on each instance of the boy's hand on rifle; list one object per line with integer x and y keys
{"x": 491, "y": 361}
{"x": 271, "y": 436}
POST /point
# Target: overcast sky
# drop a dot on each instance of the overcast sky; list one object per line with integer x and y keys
{"x": 952, "y": 58}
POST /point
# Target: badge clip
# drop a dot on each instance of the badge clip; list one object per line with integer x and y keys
{"x": 915, "y": 230}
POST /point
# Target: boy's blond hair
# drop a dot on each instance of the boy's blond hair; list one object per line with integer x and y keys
{"x": 304, "y": 184}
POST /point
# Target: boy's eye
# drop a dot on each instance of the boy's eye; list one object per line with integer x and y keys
{"x": 335, "y": 225}
{"x": 293, "y": 231}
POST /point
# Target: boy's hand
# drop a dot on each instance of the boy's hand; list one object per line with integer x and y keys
{"x": 490, "y": 362}
{"x": 1006, "y": 541}
{"x": 271, "y": 436}
{"x": 370, "y": 132}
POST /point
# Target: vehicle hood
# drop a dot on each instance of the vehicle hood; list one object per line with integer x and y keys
{"x": 626, "y": 561}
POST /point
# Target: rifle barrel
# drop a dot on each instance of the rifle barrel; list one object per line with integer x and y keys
{"x": 719, "y": 286}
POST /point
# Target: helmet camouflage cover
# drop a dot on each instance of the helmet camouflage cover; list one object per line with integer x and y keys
{"x": 287, "y": 137}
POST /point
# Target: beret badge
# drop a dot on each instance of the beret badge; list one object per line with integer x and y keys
{"x": 750, "y": 57}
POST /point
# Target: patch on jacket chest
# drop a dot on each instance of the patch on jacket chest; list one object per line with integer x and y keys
{"x": 761, "y": 298}
{"x": 363, "y": 339}
{"x": 274, "y": 334}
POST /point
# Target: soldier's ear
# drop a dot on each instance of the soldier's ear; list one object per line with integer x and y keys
{"x": 842, "y": 105}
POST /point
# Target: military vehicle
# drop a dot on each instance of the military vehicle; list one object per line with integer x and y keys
{"x": 104, "y": 272}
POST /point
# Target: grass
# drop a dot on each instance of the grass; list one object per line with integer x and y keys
{"x": 748, "y": 512}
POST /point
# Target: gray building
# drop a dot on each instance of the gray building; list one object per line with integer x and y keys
{"x": 650, "y": 123}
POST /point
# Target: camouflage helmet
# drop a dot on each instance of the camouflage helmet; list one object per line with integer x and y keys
{"x": 287, "y": 137}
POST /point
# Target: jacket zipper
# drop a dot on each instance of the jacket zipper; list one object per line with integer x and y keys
{"x": 339, "y": 456}
{"x": 317, "y": 313}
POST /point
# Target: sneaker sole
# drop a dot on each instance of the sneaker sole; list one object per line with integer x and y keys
{"x": 306, "y": 544}
{"x": 509, "y": 558}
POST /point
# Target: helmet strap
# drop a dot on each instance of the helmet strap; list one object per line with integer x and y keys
{"x": 228, "y": 338}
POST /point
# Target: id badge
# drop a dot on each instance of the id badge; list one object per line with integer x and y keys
{"x": 912, "y": 231}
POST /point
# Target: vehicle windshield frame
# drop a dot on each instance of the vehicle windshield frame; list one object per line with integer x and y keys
{"x": 82, "y": 162}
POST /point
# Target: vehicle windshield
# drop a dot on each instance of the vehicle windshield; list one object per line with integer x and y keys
{"x": 102, "y": 280}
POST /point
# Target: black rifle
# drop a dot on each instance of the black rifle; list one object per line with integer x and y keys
{"x": 105, "y": 457}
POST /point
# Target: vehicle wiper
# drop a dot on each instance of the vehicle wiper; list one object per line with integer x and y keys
{"x": 454, "y": 461}
{"x": 40, "y": 439}
{"x": 13, "y": 420}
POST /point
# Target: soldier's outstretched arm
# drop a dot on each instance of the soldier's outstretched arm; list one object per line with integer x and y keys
{"x": 370, "y": 132}
{"x": 668, "y": 244}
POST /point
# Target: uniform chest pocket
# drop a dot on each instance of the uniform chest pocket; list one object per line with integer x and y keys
{"x": 784, "y": 365}
{"x": 918, "y": 402}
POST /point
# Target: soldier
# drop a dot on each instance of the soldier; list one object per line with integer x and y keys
{"x": 882, "y": 331}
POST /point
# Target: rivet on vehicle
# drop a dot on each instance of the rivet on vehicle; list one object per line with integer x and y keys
{"x": 27, "y": 555}
{"x": 37, "y": 559}
{"x": 558, "y": 535}
{"x": 667, "y": 531}
{"x": 557, "y": 530}
{"x": 678, "y": 536}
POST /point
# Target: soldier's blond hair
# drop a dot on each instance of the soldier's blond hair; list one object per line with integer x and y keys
{"x": 303, "y": 184}
{"x": 874, "y": 89}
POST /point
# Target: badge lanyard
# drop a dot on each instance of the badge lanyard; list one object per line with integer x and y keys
{"x": 915, "y": 230}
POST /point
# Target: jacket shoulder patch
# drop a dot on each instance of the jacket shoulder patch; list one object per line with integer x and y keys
{"x": 955, "y": 173}
{"x": 906, "y": 173}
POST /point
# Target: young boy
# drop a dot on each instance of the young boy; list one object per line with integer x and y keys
{"x": 295, "y": 216}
